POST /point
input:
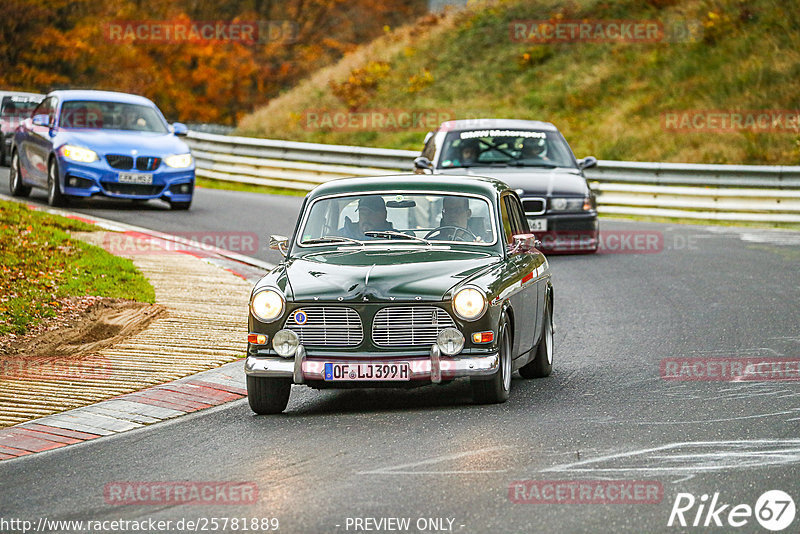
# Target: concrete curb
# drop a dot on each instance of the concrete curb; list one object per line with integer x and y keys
{"x": 126, "y": 412}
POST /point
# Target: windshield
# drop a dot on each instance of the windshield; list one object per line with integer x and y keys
{"x": 17, "y": 107}
{"x": 414, "y": 218}
{"x": 524, "y": 148}
{"x": 111, "y": 116}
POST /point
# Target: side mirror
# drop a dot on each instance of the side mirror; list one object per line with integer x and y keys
{"x": 524, "y": 243}
{"x": 180, "y": 129}
{"x": 587, "y": 162}
{"x": 41, "y": 120}
{"x": 279, "y": 243}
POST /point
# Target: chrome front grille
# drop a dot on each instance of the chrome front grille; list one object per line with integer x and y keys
{"x": 326, "y": 326}
{"x": 409, "y": 325}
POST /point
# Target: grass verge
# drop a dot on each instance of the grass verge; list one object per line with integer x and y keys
{"x": 40, "y": 264}
{"x": 247, "y": 188}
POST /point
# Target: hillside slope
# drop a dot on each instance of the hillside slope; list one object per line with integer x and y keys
{"x": 611, "y": 99}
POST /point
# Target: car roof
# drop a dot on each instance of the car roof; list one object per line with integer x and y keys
{"x": 481, "y": 124}
{"x": 477, "y": 185}
{"x": 31, "y": 96}
{"x": 100, "y": 96}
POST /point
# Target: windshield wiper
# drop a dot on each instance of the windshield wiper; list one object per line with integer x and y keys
{"x": 391, "y": 233}
{"x": 331, "y": 239}
{"x": 518, "y": 163}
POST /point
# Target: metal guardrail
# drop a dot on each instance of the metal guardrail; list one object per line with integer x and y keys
{"x": 692, "y": 191}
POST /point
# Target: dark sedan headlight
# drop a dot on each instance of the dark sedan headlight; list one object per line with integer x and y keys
{"x": 267, "y": 305}
{"x": 570, "y": 204}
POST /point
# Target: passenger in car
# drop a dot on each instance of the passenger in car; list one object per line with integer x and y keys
{"x": 371, "y": 217}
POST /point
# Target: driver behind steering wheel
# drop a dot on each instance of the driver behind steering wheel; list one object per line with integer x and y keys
{"x": 456, "y": 214}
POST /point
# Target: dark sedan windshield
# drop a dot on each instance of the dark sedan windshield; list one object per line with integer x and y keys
{"x": 79, "y": 114}
{"x": 524, "y": 148}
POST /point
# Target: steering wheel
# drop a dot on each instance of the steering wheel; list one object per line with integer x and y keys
{"x": 454, "y": 232}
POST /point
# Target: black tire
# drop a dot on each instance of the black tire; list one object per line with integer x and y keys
{"x": 542, "y": 365}
{"x": 3, "y": 157}
{"x": 54, "y": 195}
{"x": 183, "y": 206}
{"x": 15, "y": 179}
{"x": 496, "y": 390}
{"x": 268, "y": 395}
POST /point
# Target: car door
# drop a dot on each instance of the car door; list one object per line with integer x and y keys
{"x": 37, "y": 144}
{"x": 523, "y": 270}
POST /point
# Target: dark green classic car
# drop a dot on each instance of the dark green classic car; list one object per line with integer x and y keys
{"x": 402, "y": 281}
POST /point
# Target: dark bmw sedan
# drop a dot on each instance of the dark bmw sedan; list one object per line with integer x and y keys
{"x": 86, "y": 143}
{"x": 534, "y": 159}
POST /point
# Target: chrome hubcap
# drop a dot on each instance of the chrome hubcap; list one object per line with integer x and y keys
{"x": 506, "y": 363}
{"x": 548, "y": 339}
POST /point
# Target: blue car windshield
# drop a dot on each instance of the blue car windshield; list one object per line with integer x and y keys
{"x": 78, "y": 114}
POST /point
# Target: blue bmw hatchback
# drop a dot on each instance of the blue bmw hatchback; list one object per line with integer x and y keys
{"x": 85, "y": 143}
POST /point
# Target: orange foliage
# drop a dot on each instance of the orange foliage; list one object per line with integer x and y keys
{"x": 53, "y": 44}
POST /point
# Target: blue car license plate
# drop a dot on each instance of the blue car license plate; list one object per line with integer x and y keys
{"x": 367, "y": 371}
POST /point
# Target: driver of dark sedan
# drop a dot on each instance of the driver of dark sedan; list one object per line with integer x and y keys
{"x": 371, "y": 217}
{"x": 533, "y": 148}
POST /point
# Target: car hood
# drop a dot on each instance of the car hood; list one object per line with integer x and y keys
{"x": 530, "y": 180}
{"x": 383, "y": 275}
{"x": 121, "y": 142}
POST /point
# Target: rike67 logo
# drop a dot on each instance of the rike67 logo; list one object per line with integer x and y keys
{"x": 774, "y": 510}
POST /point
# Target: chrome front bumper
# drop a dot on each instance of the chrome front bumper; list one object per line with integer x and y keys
{"x": 434, "y": 368}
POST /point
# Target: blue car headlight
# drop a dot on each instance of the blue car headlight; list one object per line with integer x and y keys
{"x": 79, "y": 154}
{"x": 179, "y": 161}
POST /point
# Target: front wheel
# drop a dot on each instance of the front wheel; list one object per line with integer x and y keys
{"x": 268, "y": 395}
{"x": 497, "y": 388}
{"x": 542, "y": 365}
{"x": 54, "y": 195}
{"x": 15, "y": 179}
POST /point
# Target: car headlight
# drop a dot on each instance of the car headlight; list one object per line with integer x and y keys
{"x": 571, "y": 204}
{"x": 285, "y": 343}
{"x": 450, "y": 341}
{"x": 179, "y": 161}
{"x": 76, "y": 153}
{"x": 267, "y": 305}
{"x": 469, "y": 303}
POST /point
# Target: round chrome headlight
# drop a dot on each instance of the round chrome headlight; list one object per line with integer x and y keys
{"x": 285, "y": 343}
{"x": 469, "y": 303}
{"x": 450, "y": 341}
{"x": 267, "y": 305}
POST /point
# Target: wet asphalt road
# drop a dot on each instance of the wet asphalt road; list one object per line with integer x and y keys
{"x": 605, "y": 414}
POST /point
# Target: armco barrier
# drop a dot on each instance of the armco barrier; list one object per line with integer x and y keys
{"x": 693, "y": 191}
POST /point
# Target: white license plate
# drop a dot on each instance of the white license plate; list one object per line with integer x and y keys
{"x": 367, "y": 371}
{"x": 135, "y": 178}
{"x": 537, "y": 225}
